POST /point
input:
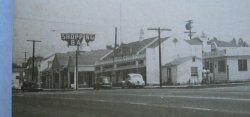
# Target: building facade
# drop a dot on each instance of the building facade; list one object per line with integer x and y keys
{"x": 142, "y": 57}
{"x": 228, "y": 65}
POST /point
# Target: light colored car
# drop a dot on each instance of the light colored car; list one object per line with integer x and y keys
{"x": 133, "y": 81}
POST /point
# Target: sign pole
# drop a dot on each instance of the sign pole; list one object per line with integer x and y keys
{"x": 77, "y": 49}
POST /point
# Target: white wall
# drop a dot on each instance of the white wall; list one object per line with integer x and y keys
{"x": 170, "y": 51}
{"x": 184, "y": 71}
{"x": 152, "y": 66}
{"x": 16, "y": 82}
{"x": 234, "y": 73}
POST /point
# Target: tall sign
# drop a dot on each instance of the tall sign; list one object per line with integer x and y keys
{"x": 75, "y": 39}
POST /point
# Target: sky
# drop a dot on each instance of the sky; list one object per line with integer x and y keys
{"x": 44, "y": 20}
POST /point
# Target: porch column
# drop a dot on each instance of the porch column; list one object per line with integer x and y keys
{"x": 59, "y": 80}
{"x": 68, "y": 78}
{"x": 52, "y": 79}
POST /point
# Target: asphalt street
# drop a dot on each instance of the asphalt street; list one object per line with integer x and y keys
{"x": 205, "y": 102}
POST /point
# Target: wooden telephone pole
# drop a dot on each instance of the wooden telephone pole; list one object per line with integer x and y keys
{"x": 33, "y": 58}
{"x": 25, "y": 57}
{"x": 189, "y": 28}
{"x": 159, "y": 40}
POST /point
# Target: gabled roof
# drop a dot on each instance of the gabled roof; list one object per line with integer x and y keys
{"x": 62, "y": 59}
{"x": 156, "y": 43}
{"x": 88, "y": 58}
{"x": 194, "y": 41}
{"x": 223, "y": 43}
{"x": 44, "y": 64}
{"x": 134, "y": 47}
{"x": 180, "y": 60}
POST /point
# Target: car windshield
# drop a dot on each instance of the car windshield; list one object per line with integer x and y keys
{"x": 136, "y": 77}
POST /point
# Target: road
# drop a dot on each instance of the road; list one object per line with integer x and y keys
{"x": 205, "y": 102}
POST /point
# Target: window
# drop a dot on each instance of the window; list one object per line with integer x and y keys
{"x": 72, "y": 78}
{"x": 126, "y": 64}
{"x": 242, "y": 65}
{"x": 140, "y": 62}
{"x": 222, "y": 66}
{"x": 108, "y": 66}
{"x": 211, "y": 68}
{"x": 206, "y": 65}
{"x": 194, "y": 71}
{"x": 97, "y": 68}
{"x": 193, "y": 59}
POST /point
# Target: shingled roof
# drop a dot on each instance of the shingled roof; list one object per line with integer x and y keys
{"x": 224, "y": 43}
{"x": 194, "y": 41}
{"x": 135, "y": 47}
{"x": 61, "y": 59}
{"x": 180, "y": 60}
{"x": 89, "y": 58}
{"x": 156, "y": 43}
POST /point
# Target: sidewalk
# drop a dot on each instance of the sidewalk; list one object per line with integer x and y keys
{"x": 200, "y": 85}
{"x": 167, "y": 87}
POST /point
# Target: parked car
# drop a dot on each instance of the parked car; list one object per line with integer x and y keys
{"x": 103, "y": 82}
{"x": 133, "y": 81}
{"x": 31, "y": 86}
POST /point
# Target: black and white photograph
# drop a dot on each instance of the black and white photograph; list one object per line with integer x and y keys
{"x": 130, "y": 58}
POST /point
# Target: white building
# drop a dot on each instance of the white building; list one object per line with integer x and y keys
{"x": 175, "y": 50}
{"x": 17, "y": 77}
{"x": 44, "y": 70}
{"x": 227, "y": 62}
{"x": 143, "y": 57}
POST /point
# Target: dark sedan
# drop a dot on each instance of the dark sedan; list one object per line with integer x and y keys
{"x": 103, "y": 82}
{"x": 31, "y": 86}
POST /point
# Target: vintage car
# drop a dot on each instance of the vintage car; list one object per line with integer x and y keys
{"x": 31, "y": 86}
{"x": 133, "y": 81}
{"x": 103, "y": 82}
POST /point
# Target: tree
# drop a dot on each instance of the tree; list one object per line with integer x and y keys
{"x": 240, "y": 42}
{"x": 233, "y": 41}
{"x": 245, "y": 44}
{"x": 215, "y": 39}
{"x": 109, "y": 47}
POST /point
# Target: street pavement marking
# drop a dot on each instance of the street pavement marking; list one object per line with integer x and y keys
{"x": 18, "y": 95}
{"x": 190, "y": 97}
{"x": 100, "y": 100}
{"x": 69, "y": 98}
{"x": 211, "y": 98}
{"x": 197, "y": 108}
{"x": 137, "y": 103}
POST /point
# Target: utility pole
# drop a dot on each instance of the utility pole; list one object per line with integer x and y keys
{"x": 189, "y": 28}
{"x": 159, "y": 40}
{"x": 33, "y": 58}
{"x": 114, "y": 51}
{"x": 25, "y": 59}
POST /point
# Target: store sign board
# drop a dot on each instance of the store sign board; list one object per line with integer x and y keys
{"x": 75, "y": 39}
